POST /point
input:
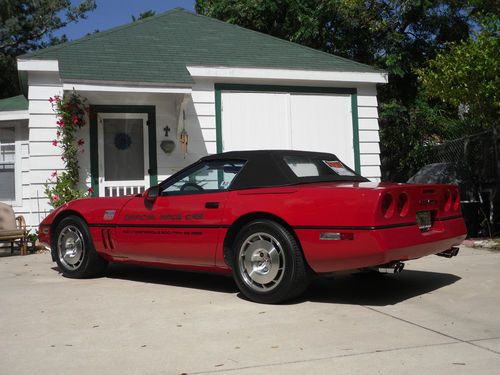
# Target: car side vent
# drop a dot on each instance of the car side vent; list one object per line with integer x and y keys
{"x": 103, "y": 237}
{"x": 110, "y": 241}
{"x": 106, "y": 239}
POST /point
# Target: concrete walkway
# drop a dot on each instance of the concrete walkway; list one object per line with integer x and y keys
{"x": 439, "y": 316}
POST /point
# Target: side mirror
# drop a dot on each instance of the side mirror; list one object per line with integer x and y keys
{"x": 152, "y": 193}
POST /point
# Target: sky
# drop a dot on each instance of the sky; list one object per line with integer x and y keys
{"x": 111, "y": 13}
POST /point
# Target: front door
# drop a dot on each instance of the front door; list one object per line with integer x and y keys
{"x": 123, "y": 153}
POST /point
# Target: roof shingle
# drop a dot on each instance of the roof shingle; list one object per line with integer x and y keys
{"x": 158, "y": 49}
{"x": 14, "y": 103}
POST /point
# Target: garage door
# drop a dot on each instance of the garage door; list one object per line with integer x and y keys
{"x": 271, "y": 120}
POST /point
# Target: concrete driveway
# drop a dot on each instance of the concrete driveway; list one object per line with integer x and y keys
{"x": 439, "y": 316}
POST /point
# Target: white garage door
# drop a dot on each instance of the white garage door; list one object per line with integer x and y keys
{"x": 263, "y": 120}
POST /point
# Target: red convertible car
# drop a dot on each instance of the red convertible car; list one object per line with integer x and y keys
{"x": 272, "y": 218}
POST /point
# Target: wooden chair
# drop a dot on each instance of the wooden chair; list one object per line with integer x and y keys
{"x": 13, "y": 228}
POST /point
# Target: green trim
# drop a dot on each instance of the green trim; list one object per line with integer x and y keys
{"x": 94, "y": 152}
{"x": 355, "y": 132}
{"x": 279, "y": 88}
{"x": 23, "y": 82}
{"x": 153, "y": 159}
{"x": 219, "y": 87}
{"x": 218, "y": 119}
{"x": 150, "y": 110}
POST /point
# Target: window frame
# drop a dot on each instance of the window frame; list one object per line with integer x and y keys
{"x": 16, "y": 124}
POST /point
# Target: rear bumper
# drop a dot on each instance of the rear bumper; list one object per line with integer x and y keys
{"x": 379, "y": 246}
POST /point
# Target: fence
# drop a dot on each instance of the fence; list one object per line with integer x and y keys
{"x": 476, "y": 159}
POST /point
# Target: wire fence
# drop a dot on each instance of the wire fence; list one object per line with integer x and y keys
{"x": 476, "y": 159}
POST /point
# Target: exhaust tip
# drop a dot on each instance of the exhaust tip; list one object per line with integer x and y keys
{"x": 394, "y": 267}
{"x": 450, "y": 253}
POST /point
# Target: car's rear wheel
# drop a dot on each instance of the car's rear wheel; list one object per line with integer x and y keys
{"x": 75, "y": 253}
{"x": 268, "y": 265}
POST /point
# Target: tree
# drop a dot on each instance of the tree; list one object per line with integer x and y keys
{"x": 146, "y": 14}
{"x": 466, "y": 75}
{"x": 28, "y": 25}
{"x": 399, "y": 36}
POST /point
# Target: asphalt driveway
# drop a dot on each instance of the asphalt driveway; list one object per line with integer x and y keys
{"x": 439, "y": 316}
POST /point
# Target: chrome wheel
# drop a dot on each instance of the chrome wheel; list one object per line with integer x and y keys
{"x": 261, "y": 262}
{"x": 71, "y": 247}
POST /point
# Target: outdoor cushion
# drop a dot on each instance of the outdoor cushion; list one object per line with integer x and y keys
{"x": 12, "y": 233}
{"x": 7, "y": 217}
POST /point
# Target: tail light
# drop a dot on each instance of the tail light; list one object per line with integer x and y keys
{"x": 456, "y": 200}
{"x": 403, "y": 204}
{"x": 387, "y": 206}
{"x": 448, "y": 200}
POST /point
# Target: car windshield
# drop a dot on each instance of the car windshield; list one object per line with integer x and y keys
{"x": 211, "y": 176}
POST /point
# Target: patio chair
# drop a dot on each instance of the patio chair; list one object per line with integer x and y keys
{"x": 12, "y": 228}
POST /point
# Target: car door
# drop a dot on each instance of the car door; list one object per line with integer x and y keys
{"x": 182, "y": 226}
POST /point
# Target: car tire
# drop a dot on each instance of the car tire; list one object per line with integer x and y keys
{"x": 74, "y": 250}
{"x": 268, "y": 264}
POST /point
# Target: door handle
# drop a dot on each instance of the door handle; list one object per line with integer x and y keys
{"x": 212, "y": 205}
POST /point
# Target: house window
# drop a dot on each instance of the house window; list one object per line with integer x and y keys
{"x": 7, "y": 164}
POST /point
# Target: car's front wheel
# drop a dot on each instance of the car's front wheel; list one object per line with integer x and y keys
{"x": 75, "y": 252}
{"x": 268, "y": 265}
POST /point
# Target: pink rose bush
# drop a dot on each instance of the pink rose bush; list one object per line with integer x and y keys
{"x": 71, "y": 113}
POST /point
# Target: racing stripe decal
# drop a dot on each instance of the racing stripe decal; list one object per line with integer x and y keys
{"x": 156, "y": 226}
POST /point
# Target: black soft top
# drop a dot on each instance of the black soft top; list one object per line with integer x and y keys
{"x": 267, "y": 168}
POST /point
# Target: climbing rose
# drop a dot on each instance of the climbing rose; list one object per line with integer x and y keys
{"x": 55, "y": 198}
{"x": 81, "y": 142}
{"x": 74, "y": 119}
{"x": 90, "y": 190}
{"x": 54, "y": 174}
{"x": 60, "y": 123}
{"x": 54, "y": 142}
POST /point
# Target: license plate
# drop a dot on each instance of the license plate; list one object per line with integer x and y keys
{"x": 424, "y": 220}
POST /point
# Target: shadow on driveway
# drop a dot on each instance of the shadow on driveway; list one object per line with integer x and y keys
{"x": 184, "y": 279}
{"x": 370, "y": 289}
{"x": 375, "y": 289}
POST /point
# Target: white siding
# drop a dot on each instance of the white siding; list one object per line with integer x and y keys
{"x": 44, "y": 158}
{"x": 368, "y": 131}
{"x": 203, "y": 97}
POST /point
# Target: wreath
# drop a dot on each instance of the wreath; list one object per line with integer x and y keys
{"x": 122, "y": 141}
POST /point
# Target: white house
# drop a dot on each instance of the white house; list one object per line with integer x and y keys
{"x": 227, "y": 87}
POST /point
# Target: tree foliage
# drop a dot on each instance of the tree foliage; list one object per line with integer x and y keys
{"x": 466, "y": 75}
{"x": 143, "y": 15}
{"x": 28, "y": 25}
{"x": 399, "y": 36}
